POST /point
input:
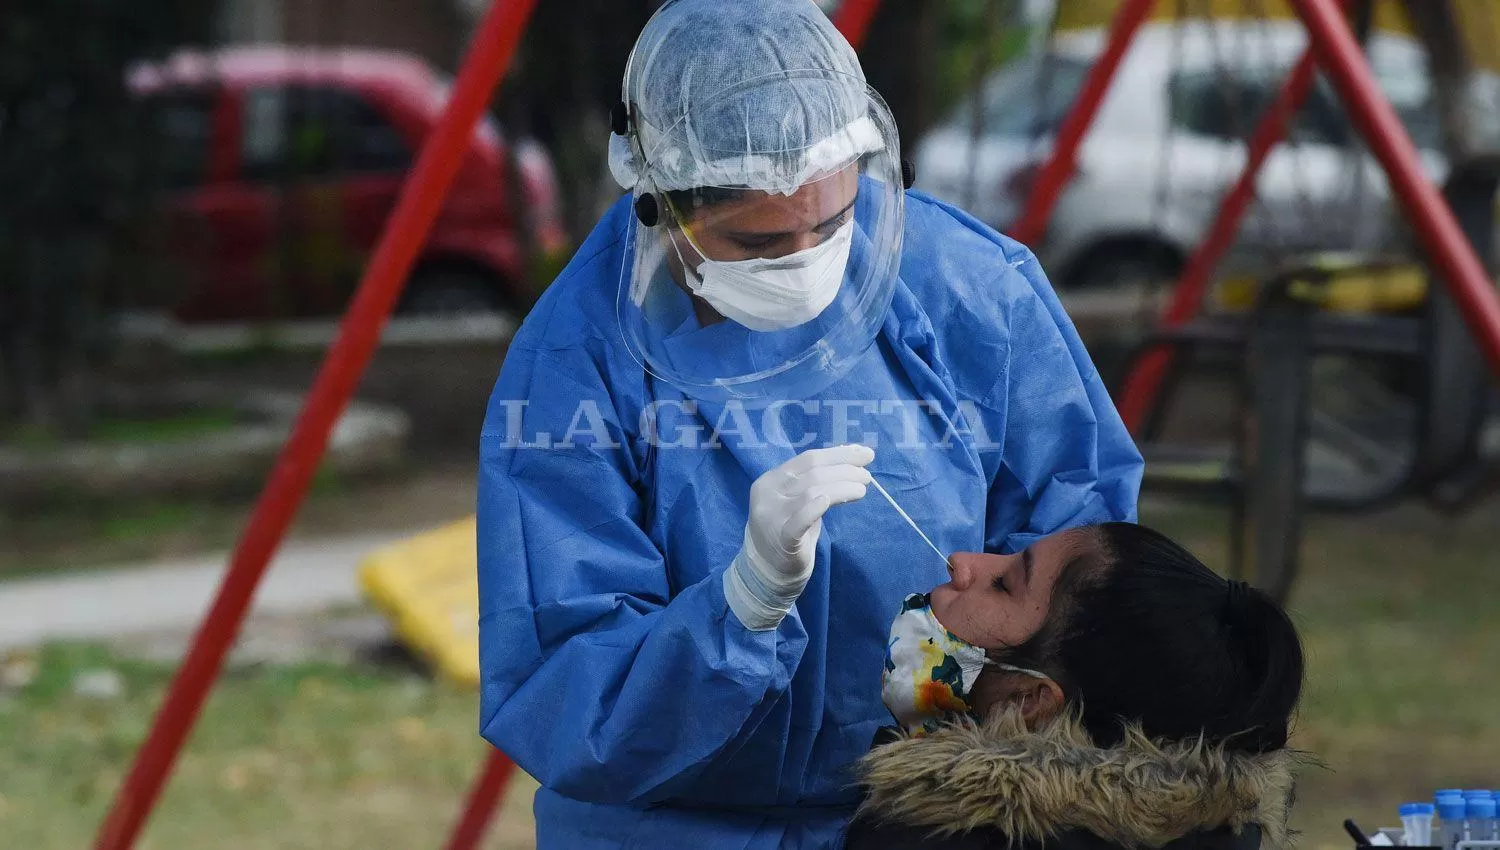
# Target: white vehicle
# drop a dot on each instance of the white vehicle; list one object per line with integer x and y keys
{"x": 1167, "y": 144}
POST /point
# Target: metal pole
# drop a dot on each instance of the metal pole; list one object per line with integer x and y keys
{"x": 1145, "y": 380}
{"x": 1053, "y": 177}
{"x": 483, "y": 798}
{"x": 1454, "y": 258}
{"x": 494, "y": 43}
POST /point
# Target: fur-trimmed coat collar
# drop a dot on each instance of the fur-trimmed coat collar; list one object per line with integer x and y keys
{"x": 1034, "y": 785}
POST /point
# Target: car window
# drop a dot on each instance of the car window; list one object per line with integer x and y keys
{"x": 181, "y": 123}
{"x": 1321, "y": 120}
{"x": 1218, "y": 103}
{"x": 1409, "y": 88}
{"x": 316, "y": 131}
{"x": 1227, "y": 103}
{"x": 1029, "y": 97}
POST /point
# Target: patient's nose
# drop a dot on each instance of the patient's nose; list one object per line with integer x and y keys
{"x": 962, "y": 569}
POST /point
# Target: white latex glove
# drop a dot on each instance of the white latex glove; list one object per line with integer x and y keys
{"x": 781, "y": 538}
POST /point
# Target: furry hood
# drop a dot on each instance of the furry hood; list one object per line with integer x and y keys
{"x": 1033, "y": 785}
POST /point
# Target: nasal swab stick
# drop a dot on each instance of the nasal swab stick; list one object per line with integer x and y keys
{"x": 913, "y": 524}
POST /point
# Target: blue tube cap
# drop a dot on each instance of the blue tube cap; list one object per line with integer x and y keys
{"x": 1479, "y": 807}
{"x": 1451, "y": 808}
{"x": 1417, "y": 809}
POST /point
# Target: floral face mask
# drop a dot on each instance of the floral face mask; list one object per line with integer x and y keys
{"x": 929, "y": 671}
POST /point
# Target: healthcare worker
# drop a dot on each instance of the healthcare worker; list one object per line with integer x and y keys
{"x": 684, "y": 588}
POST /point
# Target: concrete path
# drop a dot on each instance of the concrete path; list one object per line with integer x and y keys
{"x": 307, "y": 577}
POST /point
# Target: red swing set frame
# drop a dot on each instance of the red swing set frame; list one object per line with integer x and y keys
{"x": 1332, "y": 46}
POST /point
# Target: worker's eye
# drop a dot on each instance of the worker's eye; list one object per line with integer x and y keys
{"x": 999, "y": 583}
{"x": 754, "y": 243}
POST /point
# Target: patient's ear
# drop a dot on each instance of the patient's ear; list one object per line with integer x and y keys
{"x": 1038, "y": 699}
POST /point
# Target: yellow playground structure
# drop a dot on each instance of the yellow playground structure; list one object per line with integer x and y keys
{"x": 428, "y": 588}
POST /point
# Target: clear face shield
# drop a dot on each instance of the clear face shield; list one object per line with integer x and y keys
{"x": 762, "y": 269}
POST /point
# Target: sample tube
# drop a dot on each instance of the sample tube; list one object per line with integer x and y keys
{"x": 1479, "y": 817}
{"x": 1416, "y": 821}
{"x": 1451, "y": 809}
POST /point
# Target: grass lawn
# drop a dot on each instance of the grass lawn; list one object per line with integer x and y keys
{"x": 1401, "y": 614}
{"x": 299, "y": 757}
{"x": 122, "y": 429}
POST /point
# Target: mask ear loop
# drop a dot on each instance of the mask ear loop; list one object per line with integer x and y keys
{"x": 688, "y": 270}
{"x": 682, "y": 225}
{"x": 1025, "y": 671}
{"x": 1011, "y": 668}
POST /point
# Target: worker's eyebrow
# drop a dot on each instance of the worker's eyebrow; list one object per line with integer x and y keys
{"x": 838, "y": 215}
{"x": 752, "y": 235}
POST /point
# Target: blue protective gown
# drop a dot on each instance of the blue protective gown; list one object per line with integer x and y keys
{"x": 613, "y": 670}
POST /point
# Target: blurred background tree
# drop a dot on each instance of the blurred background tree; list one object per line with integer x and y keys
{"x": 73, "y": 175}
{"x": 925, "y": 56}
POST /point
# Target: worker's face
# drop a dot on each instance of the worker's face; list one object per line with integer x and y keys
{"x": 1000, "y": 601}
{"x": 758, "y": 225}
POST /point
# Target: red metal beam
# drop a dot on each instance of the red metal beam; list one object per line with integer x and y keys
{"x": 1054, "y": 176}
{"x": 1145, "y": 380}
{"x": 493, "y": 45}
{"x": 483, "y": 798}
{"x": 853, "y": 19}
{"x": 1457, "y": 264}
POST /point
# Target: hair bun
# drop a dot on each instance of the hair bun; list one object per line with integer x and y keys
{"x": 1262, "y": 637}
{"x": 1239, "y": 597}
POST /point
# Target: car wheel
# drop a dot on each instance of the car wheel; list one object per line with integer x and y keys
{"x": 453, "y": 295}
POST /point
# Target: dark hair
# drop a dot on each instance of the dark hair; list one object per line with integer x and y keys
{"x": 1140, "y": 631}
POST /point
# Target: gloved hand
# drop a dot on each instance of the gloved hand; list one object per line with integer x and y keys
{"x": 781, "y": 537}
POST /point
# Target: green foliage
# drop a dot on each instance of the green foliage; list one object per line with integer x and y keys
{"x": 974, "y": 40}
{"x": 925, "y": 56}
{"x": 123, "y": 429}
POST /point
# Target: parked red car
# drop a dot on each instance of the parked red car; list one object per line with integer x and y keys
{"x": 279, "y": 167}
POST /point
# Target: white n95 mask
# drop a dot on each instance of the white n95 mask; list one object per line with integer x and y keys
{"x": 776, "y": 294}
